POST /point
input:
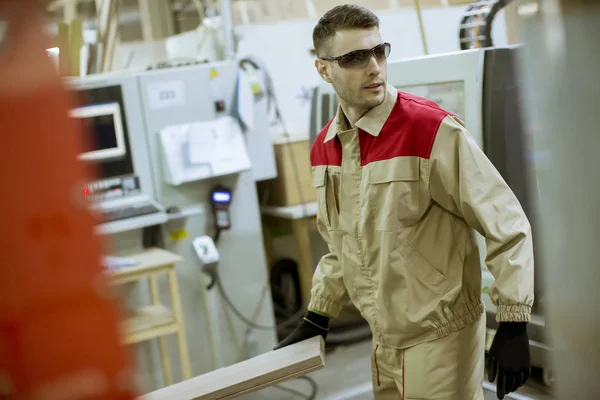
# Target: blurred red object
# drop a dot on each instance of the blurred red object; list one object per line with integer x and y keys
{"x": 59, "y": 323}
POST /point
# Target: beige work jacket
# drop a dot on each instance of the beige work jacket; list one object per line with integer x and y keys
{"x": 399, "y": 200}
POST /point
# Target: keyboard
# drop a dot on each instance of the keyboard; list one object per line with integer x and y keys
{"x": 128, "y": 211}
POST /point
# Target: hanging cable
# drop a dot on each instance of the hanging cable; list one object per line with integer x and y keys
{"x": 287, "y": 323}
{"x": 313, "y": 385}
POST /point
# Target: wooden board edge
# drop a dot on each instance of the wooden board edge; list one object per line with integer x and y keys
{"x": 273, "y": 382}
{"x": 313, "y": 363}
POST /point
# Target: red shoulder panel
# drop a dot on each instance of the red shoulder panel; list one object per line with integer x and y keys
{"x": 409, "y": 130}
{"x": 329, "y": 153}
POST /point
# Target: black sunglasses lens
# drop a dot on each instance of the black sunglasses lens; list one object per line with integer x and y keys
{"x": 356, "y": 59}
{"x": 361, "y": 58}
{"x": 382, "y": 51}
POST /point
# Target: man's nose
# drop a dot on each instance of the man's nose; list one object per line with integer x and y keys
{"x": 373, "y": 67}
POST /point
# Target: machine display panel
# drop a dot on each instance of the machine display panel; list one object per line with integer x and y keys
{"x": 103, "y": 116}
{"x": 103, "y": 122}
{"x": 448, "y": 95}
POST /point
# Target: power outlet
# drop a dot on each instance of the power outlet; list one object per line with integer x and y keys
{"x": 206, "y": 250}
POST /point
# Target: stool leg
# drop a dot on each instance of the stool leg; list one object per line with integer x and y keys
{"x": 181, "y": 339}
{"x": 162, "y": 341}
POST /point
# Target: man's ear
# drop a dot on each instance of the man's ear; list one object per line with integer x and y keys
{"x": 322, "y": 69}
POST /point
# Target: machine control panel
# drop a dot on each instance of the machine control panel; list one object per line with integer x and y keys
{"x": 113, "y": 188}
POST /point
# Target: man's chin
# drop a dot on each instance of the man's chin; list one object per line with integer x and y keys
{"x": 375, "y": 101}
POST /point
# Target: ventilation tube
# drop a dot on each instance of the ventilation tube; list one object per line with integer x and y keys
{"x": 476, "y": 25}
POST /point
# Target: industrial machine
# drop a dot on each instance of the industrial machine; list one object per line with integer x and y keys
{"x": 123, "y": 191}
{"x": 177, "y": 153}
{"x": 205, "y": 162}
{"x": 481, "y": 87}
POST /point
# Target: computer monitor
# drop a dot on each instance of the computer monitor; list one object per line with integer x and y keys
{"x": 120, "y": 187}
{"x": 104, "y": 125}
{"x": 107, "y": 142}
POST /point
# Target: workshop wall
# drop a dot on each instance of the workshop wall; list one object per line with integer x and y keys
{"x": 285, "y": 47}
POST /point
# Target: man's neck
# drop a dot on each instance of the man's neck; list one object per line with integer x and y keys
{"x": 353, "y": 114}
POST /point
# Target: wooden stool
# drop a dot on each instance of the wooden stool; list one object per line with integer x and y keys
{"x": 156, "y": 321}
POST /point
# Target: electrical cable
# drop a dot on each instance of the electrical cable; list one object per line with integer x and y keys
{"x": 289, "y": 390}
{"x": 289, "y": 322}
{"x": 313, "y": 385}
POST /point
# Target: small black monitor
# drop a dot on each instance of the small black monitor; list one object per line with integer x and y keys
{"x": 104, "y": 125}
{"x": 104, "y": 122}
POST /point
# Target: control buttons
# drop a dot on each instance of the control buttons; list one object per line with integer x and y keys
{"x": 219, "y": 106}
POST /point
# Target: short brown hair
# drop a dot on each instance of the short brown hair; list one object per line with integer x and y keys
{"x": 348, "y": 16}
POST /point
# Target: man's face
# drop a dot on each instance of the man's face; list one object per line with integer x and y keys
{"x": 362, "y": 88}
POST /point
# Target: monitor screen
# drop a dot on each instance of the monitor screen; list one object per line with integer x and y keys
{"x": 103, "y": 116}
{"x": 103, "y": 123}
{"x": 448, "y": 95}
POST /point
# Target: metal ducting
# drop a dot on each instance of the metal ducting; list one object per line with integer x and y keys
{"x": 476, "y": 24}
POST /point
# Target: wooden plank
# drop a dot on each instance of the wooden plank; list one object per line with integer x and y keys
{"x": 157, "y": 19}
{"x": 250, "y": 375}
{"x": 149, "y": 322}
{"x": 69, "y": 10}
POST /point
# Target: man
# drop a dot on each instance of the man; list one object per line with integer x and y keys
{"x": 402, "y": 188}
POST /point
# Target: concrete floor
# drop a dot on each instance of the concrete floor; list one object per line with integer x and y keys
{"x": 347, "y": 376}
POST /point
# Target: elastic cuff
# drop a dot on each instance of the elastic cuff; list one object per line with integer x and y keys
{"x": 323, "y": 328}
{"x": 319, "y": 312}
{"x": 325, "y": 306}
{"x": 513, "y": 313}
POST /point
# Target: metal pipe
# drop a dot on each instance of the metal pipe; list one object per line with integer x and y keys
{"x": 225, "y": 8}
{"x": 421, "y": 27}
{"x": 560, "y": 86}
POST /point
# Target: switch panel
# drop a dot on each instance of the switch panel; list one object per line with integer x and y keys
{"x": 206, "y": 250}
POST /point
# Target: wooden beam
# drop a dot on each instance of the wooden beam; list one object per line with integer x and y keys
{"x": 157, "y": 19}
{"x": 54, "y": 5}
{"x": 250, "y": 375}
{"x": 69, "y": 10}
{"x": 75, "y": 45}
{"x": 421, "y": 26}
{"x": 108, "y": 36}
{"x": 64, "y": 50}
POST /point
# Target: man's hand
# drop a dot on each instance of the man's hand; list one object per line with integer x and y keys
{"x": 312, "y": 325}
{"x": 509, "y": 358}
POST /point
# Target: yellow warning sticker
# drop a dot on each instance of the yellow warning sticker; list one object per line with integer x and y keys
{"x": 179, "y": 235}
{"x": 213, "y": 73}
{"x": 256, "y": 89}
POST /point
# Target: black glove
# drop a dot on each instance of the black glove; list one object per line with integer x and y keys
{"x": 509, "y": 357}
{"x": 312, "y": 325}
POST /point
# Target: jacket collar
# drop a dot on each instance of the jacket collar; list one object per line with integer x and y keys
{"x": 371, "y": 122}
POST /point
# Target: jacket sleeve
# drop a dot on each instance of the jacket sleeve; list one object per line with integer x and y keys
{"x": 463, "y": 180}
{"x": 328, "y": 294}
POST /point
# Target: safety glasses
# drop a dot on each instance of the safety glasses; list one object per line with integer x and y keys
{"x": 360, "y": 58}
